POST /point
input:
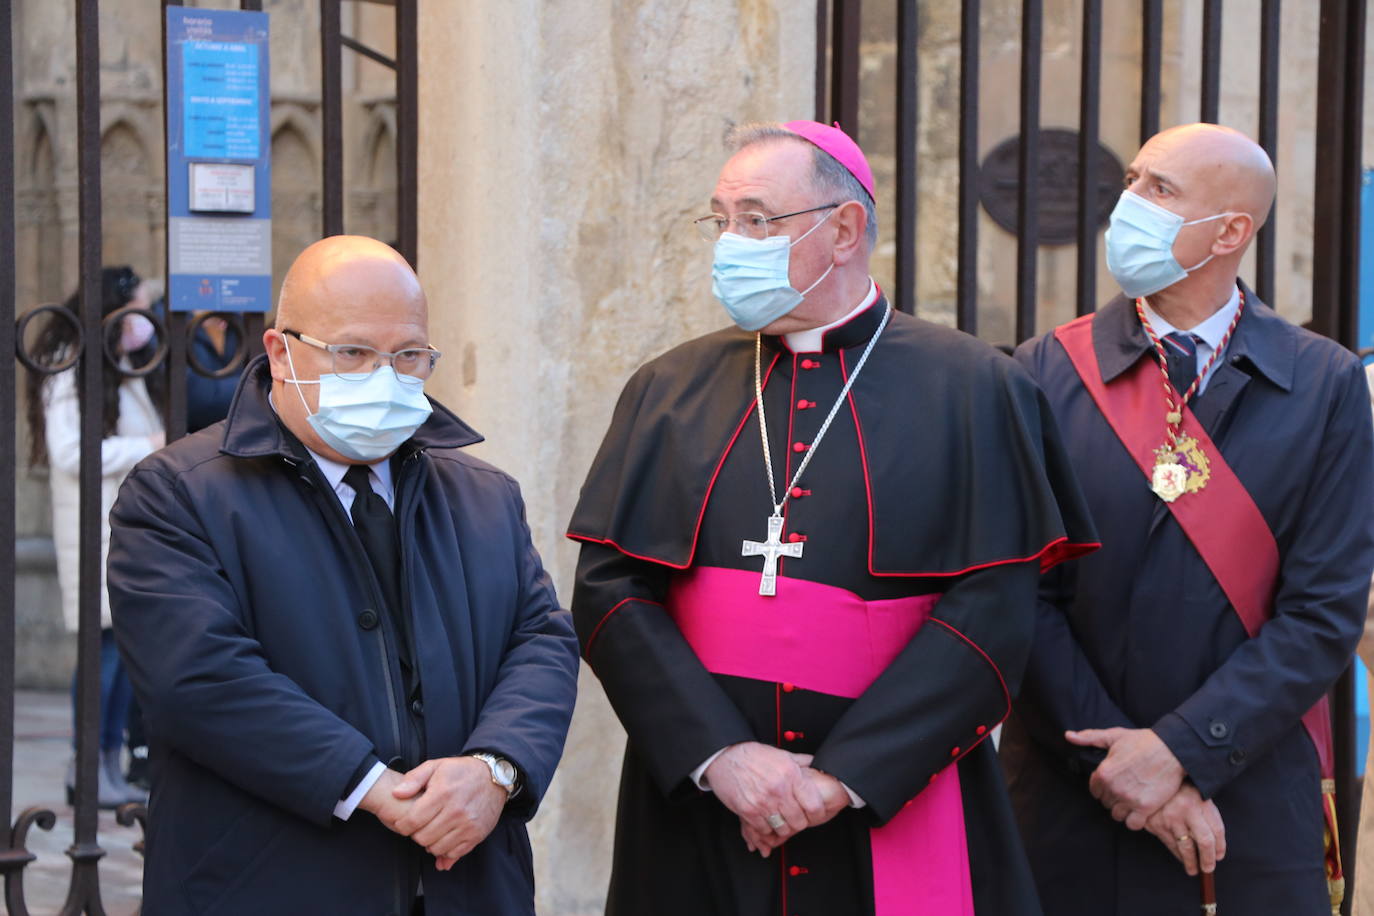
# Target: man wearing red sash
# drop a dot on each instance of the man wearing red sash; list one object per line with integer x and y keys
{"x": 811, "y": 545}
{"x": 1173, "y": 717}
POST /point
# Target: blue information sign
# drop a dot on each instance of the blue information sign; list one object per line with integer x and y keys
{"x": 219, "y": 172}
{"x": 220, "y": 89}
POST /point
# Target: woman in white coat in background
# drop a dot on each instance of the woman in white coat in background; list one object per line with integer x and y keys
{"x": 132, "y": 429}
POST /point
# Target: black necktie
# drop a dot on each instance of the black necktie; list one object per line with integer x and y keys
{"x": 1180, "y": 350}
{"x": 376, "y": 528}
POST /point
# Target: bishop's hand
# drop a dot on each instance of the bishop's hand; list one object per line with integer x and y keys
{"x": 756, "y": 782}
{"x": 828, "y": 799}
{"x": 1139, "y": 775}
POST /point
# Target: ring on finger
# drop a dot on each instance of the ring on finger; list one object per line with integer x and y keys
{"x": 1183, "y": 839}
{"x": 776, "y": 821}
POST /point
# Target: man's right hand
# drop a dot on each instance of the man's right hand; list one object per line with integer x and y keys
{"x": 1191, "y": 828}
{"x": 380, "y": 801}
{"x": 755, "y": 781}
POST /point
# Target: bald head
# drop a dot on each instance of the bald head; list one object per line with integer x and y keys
{"x": 1219, "y": 168}
{"x": 345, "y": 289}
{"x": 344, "y": 277}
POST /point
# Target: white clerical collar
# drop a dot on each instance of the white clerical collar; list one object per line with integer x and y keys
{"x": 812, "y": 339}
{"x": 1212, "y": 330}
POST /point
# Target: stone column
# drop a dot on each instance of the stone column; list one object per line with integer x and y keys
{"x": 563, "y": 149}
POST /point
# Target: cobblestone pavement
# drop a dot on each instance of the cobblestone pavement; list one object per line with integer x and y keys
{"x": 42, "y": 749}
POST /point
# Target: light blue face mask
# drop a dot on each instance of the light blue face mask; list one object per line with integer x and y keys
{"x": 750, "y": 277}
{"x": 1140, "y": 245}
{"x": 368, "y": 419}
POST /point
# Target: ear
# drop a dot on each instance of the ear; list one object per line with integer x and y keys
{"x": 851, "y": 225}
{"x": 275, "y": 344}
{"x": 1236, "y": 232}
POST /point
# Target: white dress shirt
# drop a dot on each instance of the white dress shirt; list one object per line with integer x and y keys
{"x": 1208, "y": 334}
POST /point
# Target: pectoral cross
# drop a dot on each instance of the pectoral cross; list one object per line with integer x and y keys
{"x": 771, "y": 550}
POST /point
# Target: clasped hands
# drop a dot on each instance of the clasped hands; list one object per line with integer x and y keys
{"x": 447, "y": 805}
{"x": 1142, "y": 784}
{"x": 756, "y": 781}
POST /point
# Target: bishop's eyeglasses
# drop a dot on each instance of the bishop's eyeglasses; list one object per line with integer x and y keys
{"x": 355, "y": 362}
{"x": 749, "y": 224}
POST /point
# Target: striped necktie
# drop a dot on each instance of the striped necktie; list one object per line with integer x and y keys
{"x": 1180, "y": 349}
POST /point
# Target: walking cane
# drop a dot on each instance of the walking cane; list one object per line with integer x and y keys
{"x": 1209, "y": 895}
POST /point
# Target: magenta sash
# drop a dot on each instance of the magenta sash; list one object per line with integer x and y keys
{"x": 831, "y": 641}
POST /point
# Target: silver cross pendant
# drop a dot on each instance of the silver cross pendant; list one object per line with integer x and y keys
{"x": 771, "y": 550}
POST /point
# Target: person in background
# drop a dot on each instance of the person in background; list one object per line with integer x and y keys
{"x": 132, "y": 430}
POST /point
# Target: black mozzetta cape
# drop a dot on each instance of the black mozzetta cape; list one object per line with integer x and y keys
{"x": 963, "y": 465}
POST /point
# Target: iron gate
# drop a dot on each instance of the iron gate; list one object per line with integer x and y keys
{"x": 175, "y": 333}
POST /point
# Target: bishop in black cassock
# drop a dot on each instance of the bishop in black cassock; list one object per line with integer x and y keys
{"x": 892, "y": 644}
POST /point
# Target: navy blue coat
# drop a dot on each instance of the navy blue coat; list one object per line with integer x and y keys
{"x": 269, "y": 683}
{"x": 1140, "y": 634}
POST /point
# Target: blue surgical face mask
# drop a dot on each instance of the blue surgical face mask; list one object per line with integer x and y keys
{"x": 1140, "y": 245}
{"x": 751, "y": 278}
{"x": 367, "y": 419}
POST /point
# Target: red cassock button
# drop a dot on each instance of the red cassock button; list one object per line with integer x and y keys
{"x": 801, "y": 405}
{"x": 789, "y": 736}
{"x": 798, "y": 446}
{"x": 982, "y": 729}
{"x": 788, "y": 688}
{"x": 809, "y": 364}
{"x": 954, "y": 753}
{"x": 796, "y": 538}
{"x": 798, "y": 870}
{"x": 798, "y": 492}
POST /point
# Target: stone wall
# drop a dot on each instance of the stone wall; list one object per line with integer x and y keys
{"x": 564, "y": 149}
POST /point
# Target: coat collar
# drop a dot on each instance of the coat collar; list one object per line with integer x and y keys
{"x": 1262, "y": 339}
{"x": 252, "y": 429}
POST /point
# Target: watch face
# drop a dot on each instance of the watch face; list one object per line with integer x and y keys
{"x": 505, "y": 772}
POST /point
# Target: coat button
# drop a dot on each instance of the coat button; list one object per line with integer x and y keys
{"x": 798, "y": 447}
{"x": 417, "y": 707}
{"x": 798, "y": 492}
{"x": 368, "y": 619}
{"x": 955, "y": 752}
{"x": 788, "y": 688}
{"x": 789, "y": 736}
{"x": 796, "y": 538}
{"x": 1219, "y": 730}
{"x": 1237, "y": 756}
{"x": 982, "y": 730}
